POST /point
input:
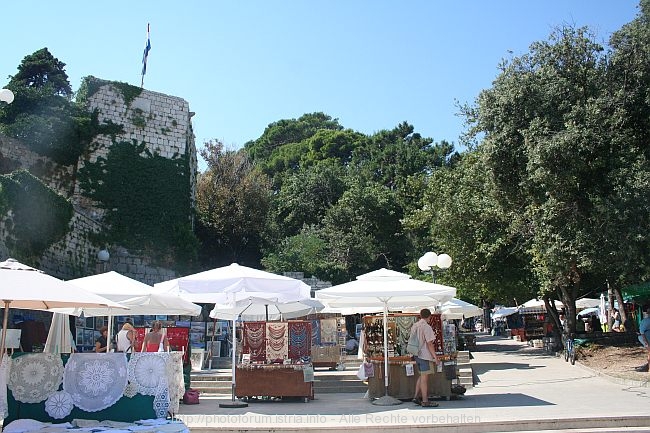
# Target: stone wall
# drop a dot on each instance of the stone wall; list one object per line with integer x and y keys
{"x": 161, "y": 121}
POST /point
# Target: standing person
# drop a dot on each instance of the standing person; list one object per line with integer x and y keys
{"x": 616, "y": 324}
{"x": 644, "y": 336}
{"x": 101, "y": 342}
{"x": 426, "y": 358}
{"x": 125, "y": 338}
{"x": 155, "y": 340}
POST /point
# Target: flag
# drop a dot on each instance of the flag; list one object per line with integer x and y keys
{"x": 147, "y": 47}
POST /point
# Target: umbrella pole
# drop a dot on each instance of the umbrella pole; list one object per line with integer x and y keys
{"x": 233, "y": 403}
{"x": 386, "y": 400}
{"x": 110, "y": 330}
{"x": 5, "y": 319}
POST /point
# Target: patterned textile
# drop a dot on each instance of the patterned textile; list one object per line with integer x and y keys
{"x": 35, "y": 376}
{"x": 315, "y": 332}
{"x": 149, "y": 373}
{"x": 95, "y": 381}
{"x": 328, "y": 332}
{"x": 59, "y": 405}
{"x": 436, "y": 323}
{"x": 175, "y": 380}
{"x": 255, "y": 341}
{"x": 4, "y": 375}
{"x": 277, "y": 341}
{"x": 299, "y": 339}
{"x": 404, "y": 324}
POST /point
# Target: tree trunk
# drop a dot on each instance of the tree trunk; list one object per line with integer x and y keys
{"x": 621, "y": 306}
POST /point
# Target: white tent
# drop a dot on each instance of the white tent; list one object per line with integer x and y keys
{"x": 587, "y": 303}
{"x": 537, "y": 306}
{"x": 459, "y": 309}
{"x": 388, "y": 290}
{"x": 22, "y": 286}
{"x": 228, "y": 285}
{"x": 503, "y": 312}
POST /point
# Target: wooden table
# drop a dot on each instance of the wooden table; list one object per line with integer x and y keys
{"x": 273, "y": 381}
{"x": 402, "y": 386}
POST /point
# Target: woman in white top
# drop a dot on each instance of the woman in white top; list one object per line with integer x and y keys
{"x": 125, "y": 338}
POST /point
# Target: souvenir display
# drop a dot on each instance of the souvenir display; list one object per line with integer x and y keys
{"x": 59, "y": 405}
{"x": 315, "y": 332}
{"x": 33, "y": 377}
{"x": 4, "y": 373}
{"x": 328, "y": 332}
{"x": 277, "y": 341}
{"x": 299, "y": 339}
{"x": 255, "y": 341}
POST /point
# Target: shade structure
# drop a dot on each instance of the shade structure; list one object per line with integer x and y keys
{"x": 504, "y": 312}
{"x": 537, "y": 306}
{"x": 388, "y": 290}
{"x": 591, "y": 311}
{"x": 24, "y": 287}
{"x": 235, "y": 282}
{"x": 459, "y": 309}
{"x": 140, "y": 298}
{"x": 254, "y": 309}
{"x": 587, "y": 303}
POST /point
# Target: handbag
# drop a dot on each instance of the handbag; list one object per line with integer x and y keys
{"x": 191, "y": 396}
{"x": 361, "y": 372}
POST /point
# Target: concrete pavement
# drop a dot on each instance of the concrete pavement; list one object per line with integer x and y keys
{"x": 520, "y": 389}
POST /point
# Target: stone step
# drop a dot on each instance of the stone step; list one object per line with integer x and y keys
{"x": 465, "y": 372}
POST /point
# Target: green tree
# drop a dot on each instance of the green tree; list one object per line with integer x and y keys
{"x": 232, "y": 206}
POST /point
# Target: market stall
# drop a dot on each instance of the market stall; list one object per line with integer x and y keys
{"x": 276, "y": 360}
{"x": 403, "y": 371}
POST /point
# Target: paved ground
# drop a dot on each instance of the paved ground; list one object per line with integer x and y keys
{"x": 519, "y": 389}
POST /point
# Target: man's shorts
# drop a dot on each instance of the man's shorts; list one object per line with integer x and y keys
{"x": 642, "y": 341}
{"x": 425, "y": 366}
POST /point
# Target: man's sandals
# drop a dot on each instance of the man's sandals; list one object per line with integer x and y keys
{"x": 425, "y": 403}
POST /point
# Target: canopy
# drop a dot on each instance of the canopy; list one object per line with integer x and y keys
{"x": 587, "y": 303}
{"x": 388, "y": 290}
{"x": 140, "y": 298}
{"x": 234, "y": 282}
{"x": 537, "y": 306}
{"x": 252, "y": 309}
{"x": 591, "y": 311}
{"x": 458, "y": 309}
{"x": 59, "y": 337}
{"x": 22, "y": 286}
{"x": 503, "y": 312}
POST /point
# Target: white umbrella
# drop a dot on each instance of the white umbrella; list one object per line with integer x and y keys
{"x": 459, "y": 309}
{"x": 140, "y": 298}
{"x": 230, "y": 284}
{"x": 234, "y": 282}
{"x": 254, "y": 309}
{"x": 503, "y": 312}
{"x": 59, "y": 336}
{"x": 587, "y": 303}
{"x": 22, "y": 286}
{"x": 537, "y": 306}
{"x": 589, "y": 311}
{"x": 389, "y": 290}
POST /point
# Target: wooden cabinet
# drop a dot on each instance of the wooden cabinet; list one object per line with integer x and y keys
{"x": 273, "y": 381}
{"x": 402, "y": 386}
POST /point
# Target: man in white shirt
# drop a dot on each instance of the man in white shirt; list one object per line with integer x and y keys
{"x": 426, "y": 359}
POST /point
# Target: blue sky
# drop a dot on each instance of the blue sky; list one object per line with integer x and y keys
{"x": 244, "y": 64}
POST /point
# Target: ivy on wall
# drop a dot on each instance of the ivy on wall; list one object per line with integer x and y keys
{"x": 147, "y": 201}
{"x": 42, "y": 216}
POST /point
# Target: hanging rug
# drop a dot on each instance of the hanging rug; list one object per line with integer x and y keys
{"x": 35, "y": 376}
{"x": 95, "y": 380}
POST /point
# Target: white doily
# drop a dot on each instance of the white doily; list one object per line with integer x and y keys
{"x": 35, "y": 376}
{"x": 59, "y": 405}
{"x": 175, "y": 380}
{"x": 5, "y": 365}
{"x": 148, "y": 371}
{"x": 131, "y": 390}
{"x": 95, "y": 380}
{"x": 161, "y": 402}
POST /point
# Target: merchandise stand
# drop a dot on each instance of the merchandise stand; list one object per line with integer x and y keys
{"x": 265, "y": 373}
{"x": 400, "y": 385}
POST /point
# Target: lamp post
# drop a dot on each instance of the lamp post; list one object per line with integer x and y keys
{"x": 433, "y": 263}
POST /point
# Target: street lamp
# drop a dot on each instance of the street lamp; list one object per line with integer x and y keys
{"x": 103, "y": 257}
{"x": 7, "y": 96}
{"x": 433, "y": 263}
